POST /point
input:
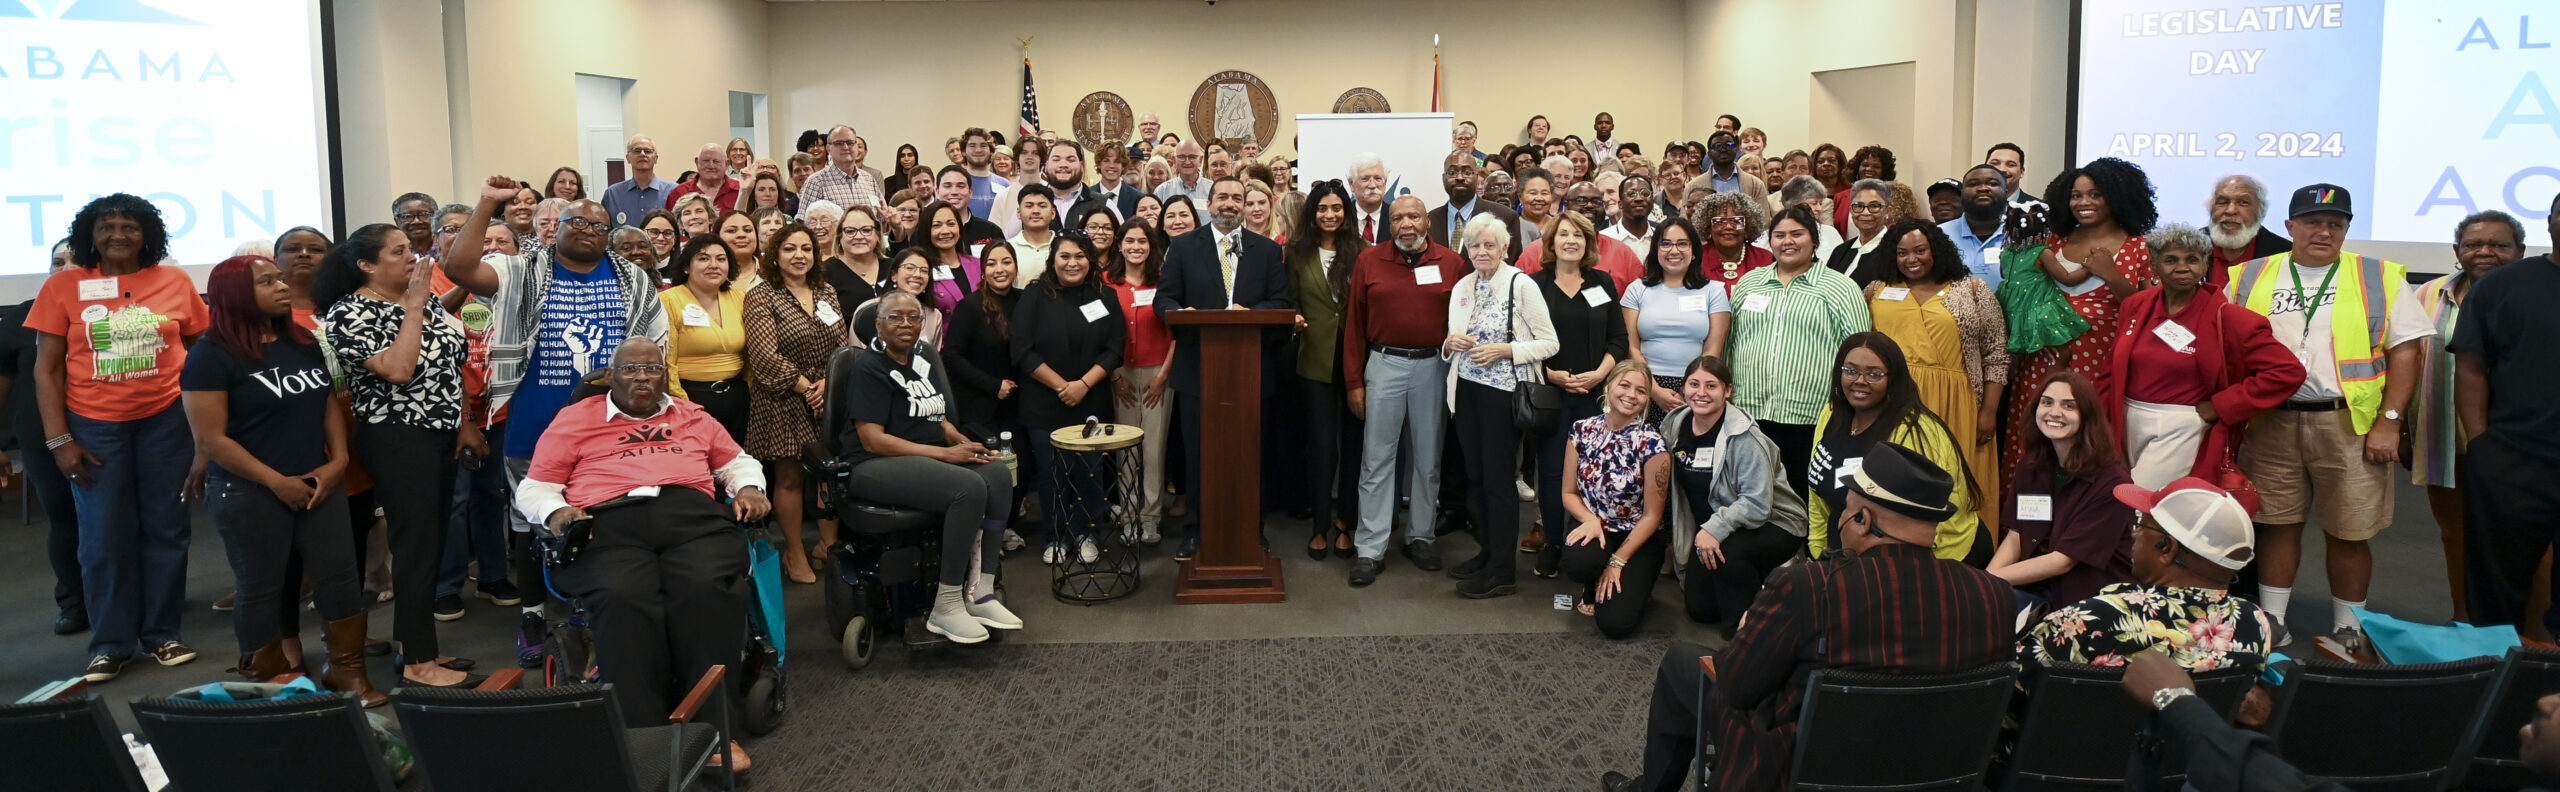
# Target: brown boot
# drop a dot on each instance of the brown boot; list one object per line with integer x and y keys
{"x": 265, "y": 663}
{"x": 293, "y": 655}
{"x": 345, "y": 671}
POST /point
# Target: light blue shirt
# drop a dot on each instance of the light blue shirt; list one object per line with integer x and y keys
{"x": 1674, "y": 322}
{"x": 628, "y": 202}
{"x": 1974, "y": 249}
{"x": 1458, "y": 217}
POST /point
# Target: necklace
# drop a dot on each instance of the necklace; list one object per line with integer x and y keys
{"x": 377, "y": 294}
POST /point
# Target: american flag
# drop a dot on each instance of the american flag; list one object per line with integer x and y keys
{"x": 1030, "y": 104}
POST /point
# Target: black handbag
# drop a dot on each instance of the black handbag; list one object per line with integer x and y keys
{"x": 1535, "y": 402}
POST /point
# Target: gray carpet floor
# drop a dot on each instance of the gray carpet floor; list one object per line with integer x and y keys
{"x": 1541, "y": 711}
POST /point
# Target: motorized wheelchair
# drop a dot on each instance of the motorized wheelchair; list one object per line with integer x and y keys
{"x": 880, "y": 576}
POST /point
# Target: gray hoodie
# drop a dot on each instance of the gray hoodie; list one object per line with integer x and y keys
{"x": 1750, "y": 489}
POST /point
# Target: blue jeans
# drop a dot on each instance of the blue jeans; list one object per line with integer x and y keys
{"x": 477, "y": 526}
{"x": 133, "y": 528}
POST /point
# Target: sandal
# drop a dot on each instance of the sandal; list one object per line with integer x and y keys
{"x": 1342, "y": 540}
{"x": 1584, "y": 607}
{"x": 802, "y": 575}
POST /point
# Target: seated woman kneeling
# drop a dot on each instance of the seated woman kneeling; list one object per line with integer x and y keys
{"x": 906, "y": 452}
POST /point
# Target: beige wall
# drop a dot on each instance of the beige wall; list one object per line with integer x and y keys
{"x": 1503, "y": 60}
{"x": 393, "y": 129}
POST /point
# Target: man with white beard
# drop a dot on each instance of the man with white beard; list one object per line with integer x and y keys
{"x": 2239, "y": 200}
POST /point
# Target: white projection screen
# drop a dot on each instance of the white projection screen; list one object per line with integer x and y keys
{"x": 2425, "y": 111}
{"x": 215, "y": 110}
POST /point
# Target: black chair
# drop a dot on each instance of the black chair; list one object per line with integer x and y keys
{"x": 2079, "y": 730}
{"x": 77, "y": 745}
{"x": 305, "y": 742}
{"x": 887, "y": 560}
{"x": 568, "y": 737}
{"x": 2529, "y": 675}
{"x": 1876, "y": 732}
{"x": 2380, "y": 728}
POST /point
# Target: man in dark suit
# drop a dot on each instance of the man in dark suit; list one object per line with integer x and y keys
{"x": 1892, "y": 607}
{"x": 1112, "y": 163}
{"x": 1218, "y": 266}
{"x": 1458, "y": 177}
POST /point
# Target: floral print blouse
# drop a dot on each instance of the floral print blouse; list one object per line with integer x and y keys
{"x": 2205, "y": 629}
{"x": 1611, "y": 477}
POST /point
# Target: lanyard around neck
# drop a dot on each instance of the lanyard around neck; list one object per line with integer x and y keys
{"x": 2311, "y": 300}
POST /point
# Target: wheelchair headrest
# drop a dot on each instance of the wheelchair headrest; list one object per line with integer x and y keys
{"x": 833, "y": 422}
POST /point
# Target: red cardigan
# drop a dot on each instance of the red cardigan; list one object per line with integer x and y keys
{"x": 2253, "y": 372}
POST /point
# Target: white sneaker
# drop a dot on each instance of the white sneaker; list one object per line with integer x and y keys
{"x": 1054, "y": 554}
{"x": 1527, "y": 493}
{"x": 1085, "y": 550}
{"x": 1012, "y": 541}
{"x": 991, "y": 613}
{"x": 951, "y": 617}
{"x": 1148, "y": 536}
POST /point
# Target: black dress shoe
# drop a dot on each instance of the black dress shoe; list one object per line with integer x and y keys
{"x": 69, "y": 623}
{"x": 1483, "y": 586}
{"x": 1423, "y": 555}
{"x": 1614, "y": 781}
{"x": 1549, "y": 559}
{"x": 1468, "y": 568}
{"x": 1190, "y": 548}
{"x": 1365, "y": 571}
{"x": 1449, "y": 521}
{"x": 459, "y": 664}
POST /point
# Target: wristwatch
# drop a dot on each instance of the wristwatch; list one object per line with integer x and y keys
{"x": 2160, "y": 700}
{"x": 2391, "y": 415}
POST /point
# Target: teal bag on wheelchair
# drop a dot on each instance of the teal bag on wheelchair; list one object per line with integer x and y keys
{"x": 2040, "y": 317}
{"x": 764, "y": 565}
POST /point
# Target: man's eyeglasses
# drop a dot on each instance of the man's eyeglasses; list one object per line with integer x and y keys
{"x": 840, "y": 143}
{"x": 639, "y": 151}
{"x": 449, "y": 230}
{"x": 2485, "y": 245}
{"x": 1848, "y": 372}
{"x": 585, "y": 224}
{"x": 638, "y": 369}
{"x": 1725, "y": 146}
{"x": 408, "y": 216}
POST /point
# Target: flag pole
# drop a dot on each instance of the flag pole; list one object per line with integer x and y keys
{"x": 1435, "y": 72}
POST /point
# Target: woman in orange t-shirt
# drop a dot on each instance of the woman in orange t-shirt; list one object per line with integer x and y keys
{"x": 112, "y": 337}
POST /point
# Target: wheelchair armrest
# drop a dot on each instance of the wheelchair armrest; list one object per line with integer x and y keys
{"x": 507, "y": 679}
{"x": 702, "y": 692}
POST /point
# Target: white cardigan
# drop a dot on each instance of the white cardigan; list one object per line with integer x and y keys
{"x": 1533, "y": 335}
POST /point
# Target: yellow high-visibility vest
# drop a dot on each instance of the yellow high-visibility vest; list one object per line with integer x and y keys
{"x": 2355, "y": 336}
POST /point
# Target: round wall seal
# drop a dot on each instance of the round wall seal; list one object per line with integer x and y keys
{"x": 1231, "y": 106}
{"x": 1102, "y": 119}
{"x": 1361, "y": 100}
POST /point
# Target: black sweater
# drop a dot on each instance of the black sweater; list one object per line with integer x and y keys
{"x": 1052, "y": 330}
{"x": 980, "y": 360}
{"x": 1584, "y": 332}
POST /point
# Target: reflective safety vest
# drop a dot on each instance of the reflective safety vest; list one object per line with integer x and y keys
{"x": 2355, "y": 336}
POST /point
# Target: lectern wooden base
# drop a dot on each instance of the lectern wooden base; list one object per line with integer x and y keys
{"x": 1230, "y": 585}
{"x": 1233, "y": 567}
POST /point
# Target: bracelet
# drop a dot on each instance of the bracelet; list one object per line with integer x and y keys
{"x": 1617, "y": 563}
{"x": 57, "y": 442}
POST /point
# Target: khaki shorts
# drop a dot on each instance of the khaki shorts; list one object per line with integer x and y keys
{"x": 2306, "y": 460}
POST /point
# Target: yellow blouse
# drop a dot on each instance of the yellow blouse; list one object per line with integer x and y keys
{"x": 710, "y": 345}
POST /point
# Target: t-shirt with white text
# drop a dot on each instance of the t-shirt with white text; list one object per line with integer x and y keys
{"x": 583, "y": 318}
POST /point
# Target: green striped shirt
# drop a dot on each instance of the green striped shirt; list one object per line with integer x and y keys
{"x": 1785, "y": 334}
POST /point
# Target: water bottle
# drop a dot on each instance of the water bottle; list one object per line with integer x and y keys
{"x": 1004, "y": 453}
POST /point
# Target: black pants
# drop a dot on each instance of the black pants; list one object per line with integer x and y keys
{"x": 413, "y": 480}
{"x": 1722, "y": 594}
{"x": 1576, "y": 406}
{"x": 1795, "y": 449}
{"x": 1490, "y": 449}
{"x": 1671, "y": 725}
{"x": 261, "y": 536}
{"x": 1624, "y": 612}
{"x": 725, "y": 400}
{"x": 664, "y": 584}
{"x": 1332, "y": 476}
{"x": 2511, "y": 514}
{"x": 62, "y": 522}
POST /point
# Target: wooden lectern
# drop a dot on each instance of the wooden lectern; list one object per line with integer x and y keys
{"x": 1232, "y": 566}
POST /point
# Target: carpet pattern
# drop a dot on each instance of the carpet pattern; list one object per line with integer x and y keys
{"x": 1474, "y": 712}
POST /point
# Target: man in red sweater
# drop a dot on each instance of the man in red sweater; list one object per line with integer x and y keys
{"x": 664, "y": 580}
{"x": 1396, "y": 319}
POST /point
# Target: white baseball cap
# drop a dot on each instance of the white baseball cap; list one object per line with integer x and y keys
{"x": 2207, "y": 520}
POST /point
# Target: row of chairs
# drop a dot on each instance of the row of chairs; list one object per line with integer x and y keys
{"x": 2378, "y": 728}
{"x": 490, "y": 739}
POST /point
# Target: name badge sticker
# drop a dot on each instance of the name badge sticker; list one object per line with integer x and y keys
{"x": 1426, "y": 275}
{"x": 98, "y": 288}
{"x": 1757, "y": 303}
{"x": 1094, "y": 311}
{"x": 2035, "y": 507}
{"x": 1595, "y": 296}
{"x": 694, "y": 316}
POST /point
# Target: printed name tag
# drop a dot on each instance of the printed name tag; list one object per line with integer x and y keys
{"x": 98, "y": 288}
{"x": 1694, "y": 302}
{"x": 2035, "y": 507}
{"x": 1595, "y": 296}
{"x": 1094, "y": 311}
{"x": 2178, "y": 338}
{"x": 1991, "y": 257}
{"x": 944, "y": 274}
{"x": 1142, "y": 296}
{"x": 1894, "y": 293}
{"x": 827, "y": 312}
{"x": 694, "y": 316}
{"x": 1426, "y": 275}
{"x": 1756, "y": 303}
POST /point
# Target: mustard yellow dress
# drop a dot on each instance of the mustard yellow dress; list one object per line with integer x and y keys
{"x": 1933, "y": 343}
